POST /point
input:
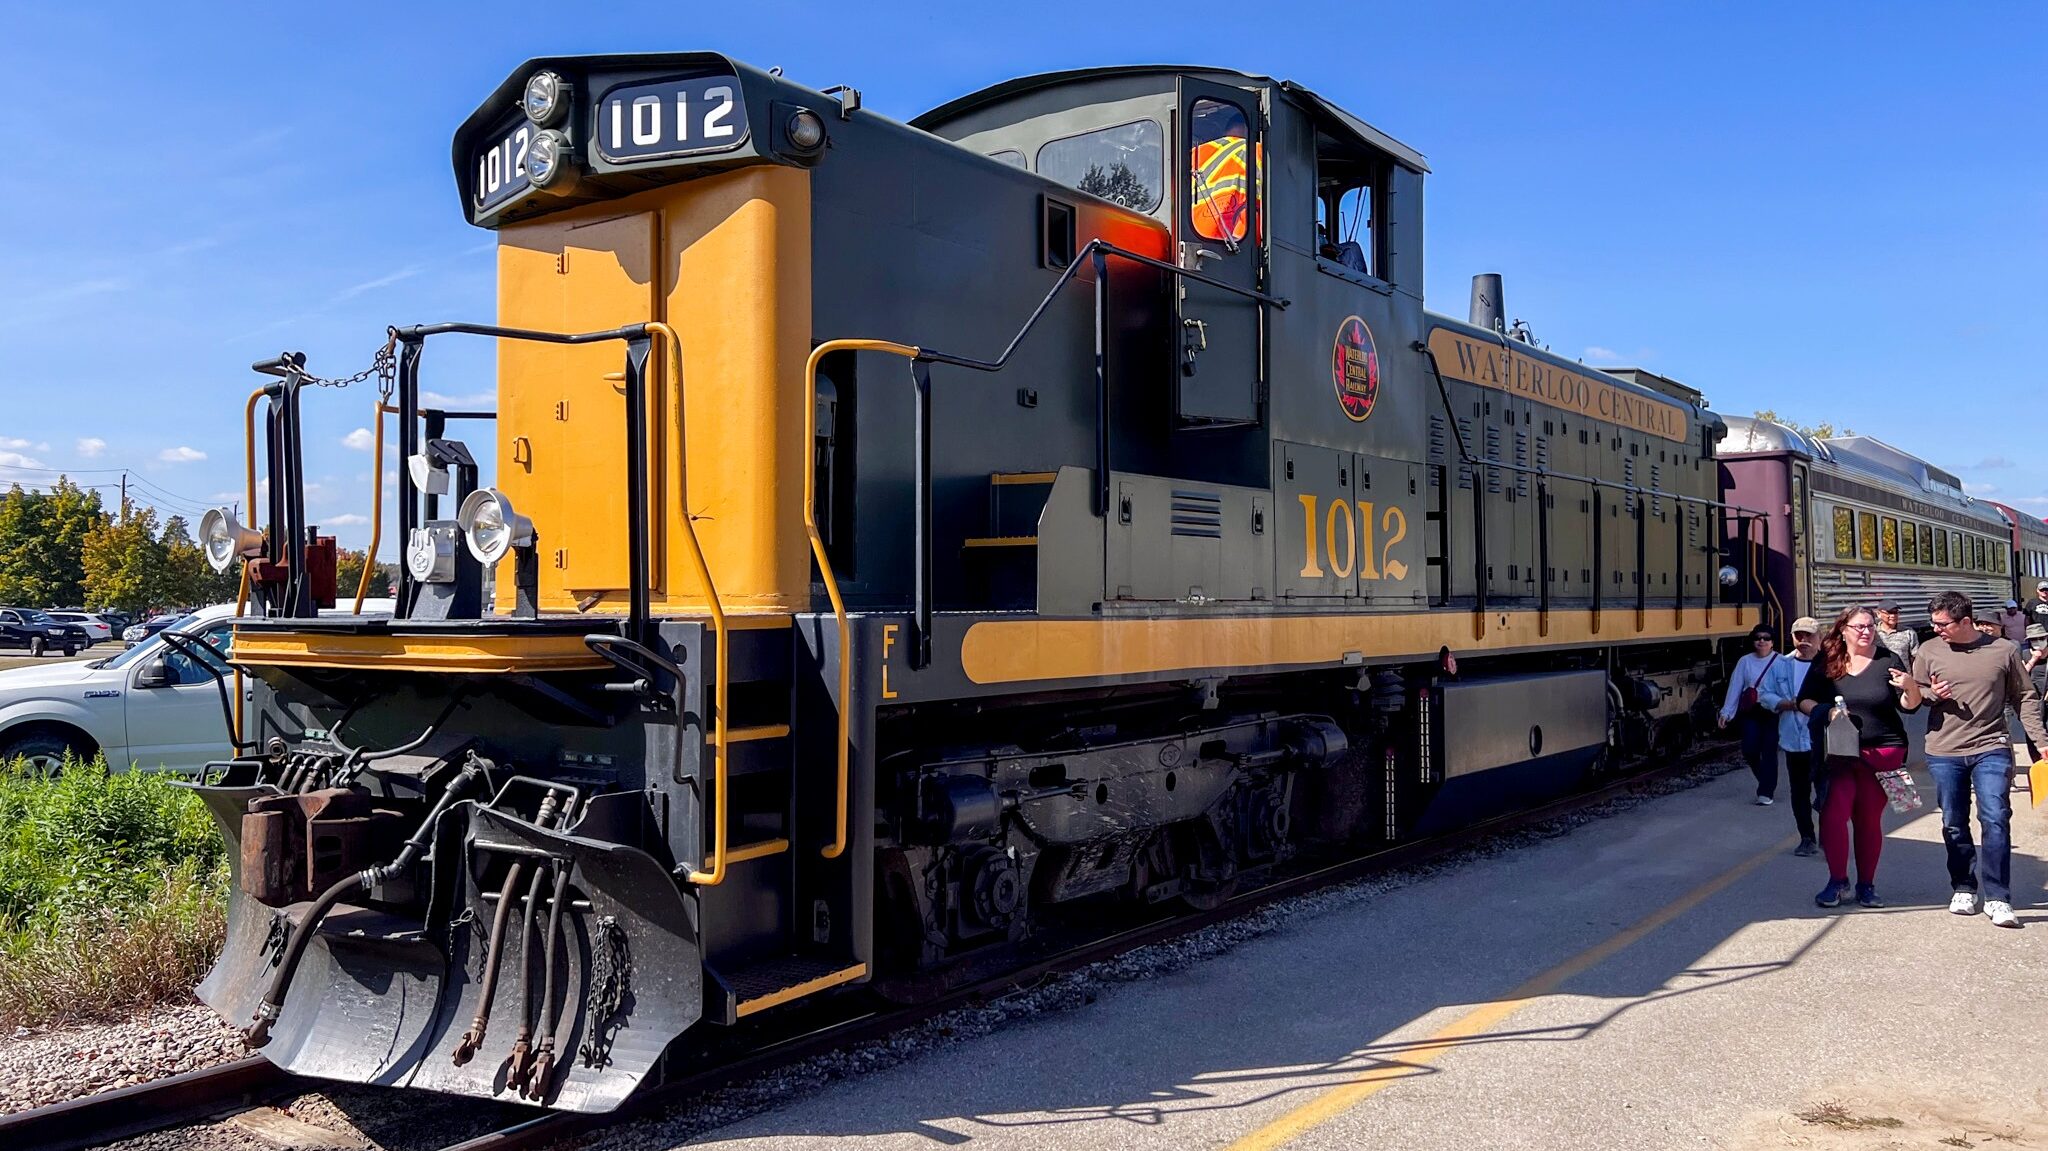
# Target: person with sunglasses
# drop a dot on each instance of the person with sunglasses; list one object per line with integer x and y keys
{"x": 1973, "y": 678}
{"x": 1759, "y": 726}
{"x": 1876, "y": 690}
{"x": 1779, "y": 693}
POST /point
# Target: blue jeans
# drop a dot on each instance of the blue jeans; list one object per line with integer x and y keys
{"x": 1989, "y": 773}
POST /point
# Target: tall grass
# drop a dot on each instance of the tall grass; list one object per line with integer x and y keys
{"x": 112, "y": 893}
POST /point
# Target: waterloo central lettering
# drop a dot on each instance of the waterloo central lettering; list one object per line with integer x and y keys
{"x": 1490, "y": 365}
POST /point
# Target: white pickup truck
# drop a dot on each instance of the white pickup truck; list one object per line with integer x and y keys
{"x": 150, "y": 707}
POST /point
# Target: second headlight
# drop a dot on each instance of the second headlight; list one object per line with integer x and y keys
{"x": 491, "y": 527}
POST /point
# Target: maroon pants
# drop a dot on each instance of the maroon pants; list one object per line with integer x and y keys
{"x": 1856, "y": 798}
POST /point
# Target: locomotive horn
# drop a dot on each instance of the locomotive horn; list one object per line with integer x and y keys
{"x": 1487, "y": 309}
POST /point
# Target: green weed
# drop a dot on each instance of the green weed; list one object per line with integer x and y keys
{"x": 112, "y": 893}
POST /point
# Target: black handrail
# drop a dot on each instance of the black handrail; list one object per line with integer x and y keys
{"x": 639, "y": 342}
{"x": 1095, "y": 253}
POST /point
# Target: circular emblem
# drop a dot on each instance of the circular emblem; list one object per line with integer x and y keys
{"x": 1355, "y": 368}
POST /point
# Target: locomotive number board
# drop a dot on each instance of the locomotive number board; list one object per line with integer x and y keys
{"x": 664, "y": 119}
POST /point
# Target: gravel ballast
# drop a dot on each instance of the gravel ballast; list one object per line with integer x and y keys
{"x": 39, "y": 1067}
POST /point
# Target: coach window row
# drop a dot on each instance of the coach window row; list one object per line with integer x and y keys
{"x": 1871, "y": 537}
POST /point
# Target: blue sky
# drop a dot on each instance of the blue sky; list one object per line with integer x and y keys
{"x": 1838, "y": 211}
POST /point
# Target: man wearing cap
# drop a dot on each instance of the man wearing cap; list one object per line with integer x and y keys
{"x": 1745, "y": 700}
{"x": 2037, "y": 612}
{"x": 2014, "y": 623}
{"x": 1778, "y": 692}
{"x": 1902, "y": 641}
{"x": 1971, "y": 679}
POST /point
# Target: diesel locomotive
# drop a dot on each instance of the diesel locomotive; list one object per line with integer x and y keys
{"x": 903, "y": 535}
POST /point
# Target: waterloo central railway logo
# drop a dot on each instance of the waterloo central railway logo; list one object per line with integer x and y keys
{"x": 1355, "y": 368}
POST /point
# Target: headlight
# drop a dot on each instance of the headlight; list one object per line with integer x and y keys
{"x": 224, "y": 539}
{"x": 550, "y": 163}
{"x": 491, "y": 527}
{"x": 806, "y": 130}
{"x": 547, "y": 98}
{"x": 1728, "y": 576}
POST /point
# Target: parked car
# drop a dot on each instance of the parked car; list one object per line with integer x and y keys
{"x": 120, "y": 621}
{"x": 25, "y": 627}
{"x": 97, "y": 629}
{"x": 136, "y": 633}
{"x": 152, "y": 706}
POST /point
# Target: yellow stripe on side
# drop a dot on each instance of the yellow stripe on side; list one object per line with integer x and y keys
{"x": 484, "y": 654}
{"x": 811, "y": 987}
{"x": 1018, "y": 651}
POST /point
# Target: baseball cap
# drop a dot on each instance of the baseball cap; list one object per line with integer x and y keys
{"x": 1807, "y": 625}
{"x": 2012, "y": 603}
{"x": 2042, "y": 584}
{"x": 1890, "y": 605}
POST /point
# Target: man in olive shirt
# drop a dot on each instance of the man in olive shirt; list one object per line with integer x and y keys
{"x": 1971, "y": 679}
{"x": 1902, "y": 641}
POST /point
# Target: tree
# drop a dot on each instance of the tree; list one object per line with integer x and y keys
{"x": 42, "y": 543}
{"x": 1118, "y": 184}
{"x": 1825, "y": 430}
{"x": 348, "y": 573}
{"x": 124, "y": 563}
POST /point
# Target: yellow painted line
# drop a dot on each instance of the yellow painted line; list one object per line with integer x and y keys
{"x": 1486, "y": 1016}
{"x": 1002, "y": 542}
{"x": 1015, "y": 479}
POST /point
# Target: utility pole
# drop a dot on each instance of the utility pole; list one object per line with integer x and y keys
{"x": 124, "y": 499}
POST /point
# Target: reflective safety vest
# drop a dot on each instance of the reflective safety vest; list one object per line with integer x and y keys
{"x": 1221, "y": 188}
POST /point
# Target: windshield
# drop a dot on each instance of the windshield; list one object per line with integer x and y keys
{"x": 30, "y": 615}
{"x": 147, "y": 647}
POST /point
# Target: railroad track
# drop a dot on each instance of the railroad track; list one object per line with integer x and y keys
{"x": 196, "y": 1096}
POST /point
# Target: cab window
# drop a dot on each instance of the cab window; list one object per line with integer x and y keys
{"x": 1124, "y": 165}
{"x": 1219, "y": 170}
{"x": 1349, "y": 197}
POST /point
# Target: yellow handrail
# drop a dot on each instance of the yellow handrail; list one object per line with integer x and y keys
{"x": 838, "y": 845}
{"x": 381, "y": 409}
{"x": 249, "y": 493}
{"x": 714, "y": 873}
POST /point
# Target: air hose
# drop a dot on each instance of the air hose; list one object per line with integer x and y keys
{"x": 258, "y": 1033}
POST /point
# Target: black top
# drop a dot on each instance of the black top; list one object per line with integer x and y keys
{"x": 1873, "y": 701}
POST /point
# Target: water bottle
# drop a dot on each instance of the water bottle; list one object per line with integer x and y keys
{"x": 1839, "y": 711}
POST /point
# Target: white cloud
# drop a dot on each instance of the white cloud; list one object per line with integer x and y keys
{"x": 443, "y": 400}
{"x": 1989, "y": 463}
{"x": 405, "y": 273}
{"x": 17, "y": 460}
{"x": 2031, "y": 501}
{"x": 1604, "y": 355}
{"x": 181, "y": 455}
{"x": 347, "y": 519}
{"x": 92, "y": 447}
{"x": 1979, "y": 489}
{"x": 362, "y": 440}
{"x": 21, "y": 445}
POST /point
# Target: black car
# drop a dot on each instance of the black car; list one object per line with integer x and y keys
{"x": 26, "y": 627}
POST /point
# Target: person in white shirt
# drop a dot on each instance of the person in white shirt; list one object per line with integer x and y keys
{"x": 1744, "y": 704}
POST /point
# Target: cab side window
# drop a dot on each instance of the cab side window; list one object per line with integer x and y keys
{"x": 1350, "y": 193}
{"x": 1123, "y": 165}
{"x": 1219, "y": 172}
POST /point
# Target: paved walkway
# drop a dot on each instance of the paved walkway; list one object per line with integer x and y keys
{"x": 1660, "y": 979}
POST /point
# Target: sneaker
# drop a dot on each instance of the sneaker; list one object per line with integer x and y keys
{"x": 1764, "y": 801}
{"x": 1963, "y": 903}
{"x": 1806, "y": 847}
{"x": 1866, "y": 895}
{"x": 1831, "y": 895}
{"x": 2001, "y": 913}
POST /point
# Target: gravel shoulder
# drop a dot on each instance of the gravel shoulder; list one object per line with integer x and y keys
{"x": 39, "y": 1067}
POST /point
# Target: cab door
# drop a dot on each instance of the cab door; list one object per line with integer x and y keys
{"x": 175, "y": 723}
{"x": 1218, "y": 226}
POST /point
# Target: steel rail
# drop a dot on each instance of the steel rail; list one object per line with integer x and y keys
{"x": 145, "y": 1107}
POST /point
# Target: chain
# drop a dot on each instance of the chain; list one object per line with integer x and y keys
{"x": 384, "y": 366}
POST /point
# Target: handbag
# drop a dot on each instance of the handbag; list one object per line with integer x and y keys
{"x": 1750, "y": 700}
{"x": 1841, "y": 738}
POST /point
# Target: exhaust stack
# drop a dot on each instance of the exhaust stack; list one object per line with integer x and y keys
{"x": 1487, "y": 309}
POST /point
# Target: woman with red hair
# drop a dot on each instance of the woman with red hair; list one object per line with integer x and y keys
{"x": 1875, "y": 688}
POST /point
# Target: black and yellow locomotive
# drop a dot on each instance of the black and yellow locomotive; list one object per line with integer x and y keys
{"x": 901, "y": 533}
